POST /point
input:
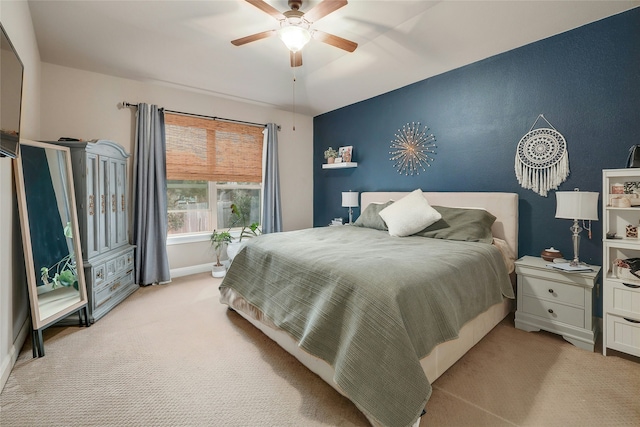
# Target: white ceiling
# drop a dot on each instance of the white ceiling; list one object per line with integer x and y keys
{"x": 186, "y": 44}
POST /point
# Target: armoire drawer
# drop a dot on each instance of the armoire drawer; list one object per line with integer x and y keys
{"x": 111, "y": 289}
{"x": 99, "y": 274}
{"x": 553, "y": 311}
{"x": 116, "y": 266}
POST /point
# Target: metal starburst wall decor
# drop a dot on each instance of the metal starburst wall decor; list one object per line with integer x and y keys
{"x": 412, "y": 149}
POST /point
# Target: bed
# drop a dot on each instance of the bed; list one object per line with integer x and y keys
{"x": 380, "y": 317}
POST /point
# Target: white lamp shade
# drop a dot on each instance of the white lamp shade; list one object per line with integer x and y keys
{"x": 349, "y": 199}
{"x": 577, "y": 205}
{"x": 294, "y": 37}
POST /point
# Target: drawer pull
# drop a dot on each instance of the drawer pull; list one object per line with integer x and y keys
{"x": 115, "y": 286}
{"x": 550, "y": 311}
{"x": 103, "y": 301}
{"x": 629, "y": 285}
{"x": 551, "y": 291}
{"x": 99, "y": 274}
{"x": 631, "y": 320}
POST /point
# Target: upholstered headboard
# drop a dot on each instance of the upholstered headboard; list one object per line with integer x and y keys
{"x": 504, "y": 206}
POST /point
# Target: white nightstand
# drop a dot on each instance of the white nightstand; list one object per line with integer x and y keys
{"x": 556, "y": 301}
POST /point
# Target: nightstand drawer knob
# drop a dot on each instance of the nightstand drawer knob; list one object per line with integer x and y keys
{"x": 550, "y": 291}
{"x": 550, "y": 311}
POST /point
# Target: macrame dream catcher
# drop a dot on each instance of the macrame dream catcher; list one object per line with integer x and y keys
{"x": 542, "y": 160}
{"x": 412, "y": 149}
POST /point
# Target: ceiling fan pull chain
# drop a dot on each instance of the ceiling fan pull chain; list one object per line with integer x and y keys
{"x": 294, "y": 99}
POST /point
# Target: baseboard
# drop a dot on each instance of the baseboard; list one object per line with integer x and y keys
{"x": 193, "y": 269}
{"x": 14, "y": 352}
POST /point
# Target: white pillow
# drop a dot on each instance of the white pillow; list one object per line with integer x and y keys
{"x": 409, "y": 215}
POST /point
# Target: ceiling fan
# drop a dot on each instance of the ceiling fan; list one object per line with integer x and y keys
{"x": 295, "y": 26}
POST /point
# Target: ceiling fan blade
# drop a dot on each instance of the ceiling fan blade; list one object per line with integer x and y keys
{"x": 336, "y": 41}
{"x": 296, "y": 58}
{"x": 253, "y": 37}
{"x": 267, "y": 8}
{"x": 323, "y": 9}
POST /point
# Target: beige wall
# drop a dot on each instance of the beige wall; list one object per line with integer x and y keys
{"x": 60, "y": 101}
{"x": 14, "y": 325}
{"x": 84, "y": 105}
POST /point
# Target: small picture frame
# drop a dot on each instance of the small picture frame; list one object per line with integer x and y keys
{"x": 346, "y": 153}
{"x": 338, "y": 160}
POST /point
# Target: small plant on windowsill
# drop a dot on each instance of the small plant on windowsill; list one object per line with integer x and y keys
{"x": 330, "y": 154}
{"x": 219, "y": 239}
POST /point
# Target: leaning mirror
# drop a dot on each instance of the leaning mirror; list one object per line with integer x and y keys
{"x": 49, "y": 225}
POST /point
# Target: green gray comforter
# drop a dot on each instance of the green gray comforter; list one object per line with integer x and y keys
{"x": 369, "y": 304}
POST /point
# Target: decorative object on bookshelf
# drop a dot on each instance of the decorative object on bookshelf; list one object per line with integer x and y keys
{"x": 330, "y": 155}
{"x": 617, "y": 188}
{"x": 346, "y": 153}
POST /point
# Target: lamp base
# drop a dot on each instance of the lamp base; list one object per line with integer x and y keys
{"x": 575, "y": 230}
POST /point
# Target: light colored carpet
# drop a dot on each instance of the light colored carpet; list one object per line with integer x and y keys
{"x": 172, "y": 355}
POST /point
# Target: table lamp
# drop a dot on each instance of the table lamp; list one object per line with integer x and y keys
{"x": 578, "y": 206}
{"x": 350, "y": 200}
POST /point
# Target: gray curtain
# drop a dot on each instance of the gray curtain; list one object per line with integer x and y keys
{"x": 150, "y": 197}
{"x": 271, "y": 208}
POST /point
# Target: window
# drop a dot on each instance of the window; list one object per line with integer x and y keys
{"x": 210, "y": 166}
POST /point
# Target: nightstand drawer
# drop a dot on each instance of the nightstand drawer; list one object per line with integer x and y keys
{"x": 553, "y": 291}
{"x": 623, "y": 299}
{"x": 553, "y": 311}
{"x": 623, "y": 335}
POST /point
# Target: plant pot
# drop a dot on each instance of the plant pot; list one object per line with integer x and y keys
{"x": 218, "y": 270}
{"x": 233, "y": 248}
{"x": 331, "y": 159}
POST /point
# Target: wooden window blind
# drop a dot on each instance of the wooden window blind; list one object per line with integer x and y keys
{"x": 200, "y": 149}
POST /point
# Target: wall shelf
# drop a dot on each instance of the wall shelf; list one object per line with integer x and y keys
{"x": 340, "y": 165}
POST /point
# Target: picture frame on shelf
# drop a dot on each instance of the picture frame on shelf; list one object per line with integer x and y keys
{"x": 346, "y": 153}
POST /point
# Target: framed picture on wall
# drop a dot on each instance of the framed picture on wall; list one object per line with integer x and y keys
{"x": 346, "y": 153}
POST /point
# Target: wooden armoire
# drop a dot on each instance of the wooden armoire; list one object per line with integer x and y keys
{"x": 101, "y": 187}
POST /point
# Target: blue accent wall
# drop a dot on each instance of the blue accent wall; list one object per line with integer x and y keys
{"x": 586, "y": 82}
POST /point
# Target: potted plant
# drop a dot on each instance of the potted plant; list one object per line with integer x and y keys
{"x": 218, "y": 240}
{"x": 241, "y": 212}
{"x": 330, "y": 154}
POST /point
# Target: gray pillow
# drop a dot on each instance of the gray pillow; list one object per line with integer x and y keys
{"x": 470, "y": 225}
{"x": 370, "y": 217}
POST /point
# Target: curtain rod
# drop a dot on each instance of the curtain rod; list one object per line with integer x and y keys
{"x": 222, "y": 119}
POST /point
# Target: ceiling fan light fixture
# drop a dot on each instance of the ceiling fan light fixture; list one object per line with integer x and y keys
{"x": 294, "y": 37}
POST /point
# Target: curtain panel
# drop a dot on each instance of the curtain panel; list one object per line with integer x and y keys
{"x": 150, "y": 197}
{"x": 271, "y": 206}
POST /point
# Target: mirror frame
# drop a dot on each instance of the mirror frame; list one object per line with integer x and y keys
{"x": 39, "y": 323}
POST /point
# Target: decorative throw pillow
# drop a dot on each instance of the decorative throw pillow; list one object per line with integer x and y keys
{"x": 409, "y": 215}
{"x": 370, "y": 217}
{"x": 467, "y": 224}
